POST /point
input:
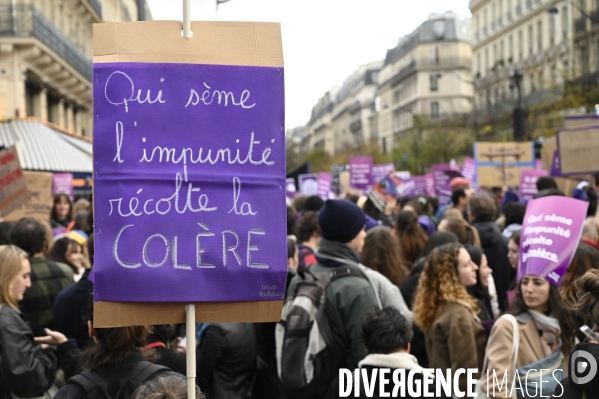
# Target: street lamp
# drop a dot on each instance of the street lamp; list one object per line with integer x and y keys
{"x": 518, "y": 114}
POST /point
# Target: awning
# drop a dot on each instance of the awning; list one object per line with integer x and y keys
{"x": 45, "y": 149}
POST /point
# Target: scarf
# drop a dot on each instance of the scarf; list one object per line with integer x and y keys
{"x": 333, "y": 249}
{"x": 549, "y": 328}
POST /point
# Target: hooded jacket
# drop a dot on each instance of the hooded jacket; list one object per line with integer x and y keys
{"x": 494, "y": 245}
{"x": 575, "y": 385}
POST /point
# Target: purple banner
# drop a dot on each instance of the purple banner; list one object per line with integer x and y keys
{"x": 324, "y": 185}
{"x": 308, "y": 184}
{"x": 442, "y": 174}
{"x": 63, "y": 183}
{"x": 189, "y": 174}
{"x": 430, "y": 184}
{"x": 379, "y": 172}
{"x": 550, "y": 234}
{"x": 360, "y": 169}
{"x": 528, "y": 183}
{"x": 556, "y": 169}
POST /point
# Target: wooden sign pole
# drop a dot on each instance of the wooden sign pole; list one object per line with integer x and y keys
{"x": 190, "y": 336}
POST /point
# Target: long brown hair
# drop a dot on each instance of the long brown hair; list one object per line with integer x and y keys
{"x": 115, "y": 344}
{"x": 467, "y": 235}
{"x": 558, "y": 309}
{"x": 412, "y": 238}
{"x": 585, "y": 258}
{"x": 439, "y": 284}
{"x": 57, "y": 198}
{"x": 381, "y": 253}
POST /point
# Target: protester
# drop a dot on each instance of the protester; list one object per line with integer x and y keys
{"x": 378, "y": 214}
{"x": 467, "y": 235}
{"x": 308, "y": 236}
{"x": 49, "y": 237}
{"x": 298, "y": 203}
{"x": 70, "y": 253}
{"x": 62, "y": 213}
{"x": 455, "y": 184}
{"x": 70, "y": 305}
{"x": 587, "y": 308}
{"x": 482, "y": 210}
{"x": 348, "y": 299}
{"x": 514, "y": 217}
{"x": 483, "y": 291}
{"x": 81, "y": 220}
{"x": 5, "y": 228}
{"x": 226, "y": 360}
{"x": 590, "y": 235}
{"x": 452, "y": 213}
{"x": 27, "y": 369}
{"x": 546, "y": 336}
{"x": 160, "y": 339}
{"x": 115, "y": 362}
{"x": 81, "y": 204}
{"x": 446, "y": 313}
{"x": 513, "y": 253}
{"x": 171, "y": 387}
{"x": 48, "y": 278}
{"x": 411, "y": 237}
{"x": 381, "y": 253}
{"x": 459, "y": 199}
{"x": 291, "y": 222}
{"x": 585, "y": 258}
{"x": 313, "y": 204}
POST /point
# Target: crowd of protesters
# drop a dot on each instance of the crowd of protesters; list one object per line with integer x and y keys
{"x": 411, "y": 285}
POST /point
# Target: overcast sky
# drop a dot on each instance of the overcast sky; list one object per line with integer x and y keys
{"x": 324, "y": 41}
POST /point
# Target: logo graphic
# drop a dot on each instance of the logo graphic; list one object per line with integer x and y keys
{"x": 589, "y": 364}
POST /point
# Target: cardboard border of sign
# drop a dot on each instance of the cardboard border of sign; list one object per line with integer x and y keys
{"x": 564, "y": 160}
{"x": 213, "y": 43}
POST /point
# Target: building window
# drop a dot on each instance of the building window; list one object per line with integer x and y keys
{"x": 434, "y": 52}
{"x": 511, "y": 48}
{"x": 540, "y": 36}
{"x": 530, "y": 40}
{"x": 564, "y": 23}
{"x": 520, "y": 45}
{"x": 434, "y": 109}
{"x": 434, "y": 82}
{"x": 552, "y": 30}
{"x": 478, "y": 65}
{"x": 486, "y": 60}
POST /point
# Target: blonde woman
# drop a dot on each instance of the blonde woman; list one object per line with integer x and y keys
{"x": 27, "y": 366}
{"x": 446, "y": 313}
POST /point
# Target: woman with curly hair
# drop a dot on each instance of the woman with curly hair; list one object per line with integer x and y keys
{"x": 381, "y": 253}
{"x": 446, "y": 313}
{"x": 411, "y": 236}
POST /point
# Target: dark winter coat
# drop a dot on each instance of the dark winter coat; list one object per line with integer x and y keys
{"x": 568, "y": 388}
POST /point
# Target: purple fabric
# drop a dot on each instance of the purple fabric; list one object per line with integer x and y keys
{"x": 550, "y": 235}
{"x": 528, "y": 183}
{"x": 360, "y": 169}
{"x": 324, "y": 185}
{"x": 173, "y": 224}
{"x": 430, "y": 184}
{"x": 469, "y": 172}
{"x": 379, "y": 172}
{"x": 556, "y": 169}
{"x": 442, "y": 174}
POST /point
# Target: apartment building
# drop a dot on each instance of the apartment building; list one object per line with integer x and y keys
{"x": 528, "y": 38}
{"x": 427, "y": 73}
{"x": 46, "y": 57}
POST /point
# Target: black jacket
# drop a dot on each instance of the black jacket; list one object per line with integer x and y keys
{"x": 571, "y": 389}
{"x": 70, "y": 306}
{"x": 226, "y": 360}
{"x": 26, "y": 369}
{"x": 494, "y": 245}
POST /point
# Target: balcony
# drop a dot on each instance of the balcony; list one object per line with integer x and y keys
{"x": 518, "y": 10}
{"x": 23, "y": 20}
{"x": 97, "y": 6}
{"x": 508, "y": 17}
{"x": 595, "y": 18}
{"x": 580, "y": 25}
{"x": 356, "y": 126}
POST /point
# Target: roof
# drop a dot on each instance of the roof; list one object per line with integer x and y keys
{"x": 43, "y": 148}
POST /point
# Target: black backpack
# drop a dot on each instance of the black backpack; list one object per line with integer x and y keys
{"x": 307, "y": 359}
{"x": 96, "y": 387}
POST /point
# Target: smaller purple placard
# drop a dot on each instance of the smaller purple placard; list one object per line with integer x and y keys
{"x": 430, "y": 184}
{"x": 63, "y": 183}
{"x": 290, "y": 189}
{"x": 380, "y": 171}
{"x": 442, "y": 175}
{"x": 308, "y": 184}
{"x": 550, "y": 235}
{"x": 324, "y": 185}
{"x": 528, "y": 183}
{"x": 360, "y": 169}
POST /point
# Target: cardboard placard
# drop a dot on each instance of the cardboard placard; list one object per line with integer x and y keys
{"x": 13, "y": 188}
{"x": 577, "y": 149}
{"x": 573, "y": 122}
{"x": 213, "y": 43}
{"x": 39, "y": 204}
{"x": 499, "y": 164}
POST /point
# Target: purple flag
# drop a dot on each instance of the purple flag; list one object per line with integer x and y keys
{"x": 528, "y": 183}
{"x": 442, "y": 174}
{"x": 379, "y": 172}
{"x": 550, "y": 234}
{"x": 189, "y": 173}
{"x": 324, "y": 185}
{"x": 360, "y": 169}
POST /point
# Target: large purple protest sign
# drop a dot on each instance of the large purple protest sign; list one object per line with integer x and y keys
{"x": 380, "y": 171}
{"x": 324, "y": 185}
{"x": 189, "y": 170}
{"x": 528, "y": 183}
{"x": 443, "y": 174}
{"x": 360, "y": 169}
{"x": 550, "y": 235}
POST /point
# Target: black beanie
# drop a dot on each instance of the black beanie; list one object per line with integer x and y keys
{"x": 341, "y": 220}
{"x": 313, "y": 204}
